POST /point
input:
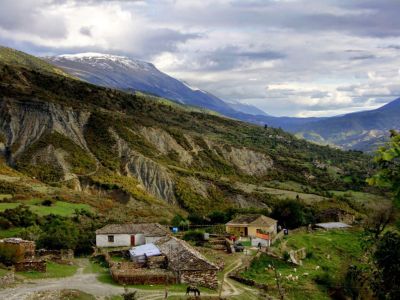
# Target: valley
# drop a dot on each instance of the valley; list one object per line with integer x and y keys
{"x": 76, "y": 157}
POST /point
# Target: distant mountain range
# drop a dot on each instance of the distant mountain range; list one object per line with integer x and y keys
{"x": 143, "y": 154}
{"x": 134, "y": 75}
{"x": 360, "y": 131}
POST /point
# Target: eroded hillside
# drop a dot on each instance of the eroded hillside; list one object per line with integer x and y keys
{"x": 134, "y": 149}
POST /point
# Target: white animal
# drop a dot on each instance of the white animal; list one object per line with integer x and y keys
{"x": 295, "y": 270}
{"x": 305, "y": 274}
{"x": 317, "y": 268}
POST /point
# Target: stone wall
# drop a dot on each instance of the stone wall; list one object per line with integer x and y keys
{"x": 206, "y": 278}
{"x": 31, "y": 265}
{"x": 58, "y": 256}
{"x": 156, "y": 262}
{"x": 16, "y": 251}
{"x": 124, "y": 274}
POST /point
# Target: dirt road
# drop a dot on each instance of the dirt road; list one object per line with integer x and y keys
{"x": 89, "y": 283}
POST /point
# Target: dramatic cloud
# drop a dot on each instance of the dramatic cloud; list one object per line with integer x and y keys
{"x": 288, "y": 57}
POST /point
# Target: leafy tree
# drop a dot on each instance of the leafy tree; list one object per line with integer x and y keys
{"x": 31, "y": 233}
{"x": 387, "y": 260}
{"x": 59, "y": 233}
{"x": 21, "y": 216}
{"x": 177, "y": 220}
{"x": 388, "y": 161}
{"x": 292, "y": 214}
{"x": 218, "y": 217}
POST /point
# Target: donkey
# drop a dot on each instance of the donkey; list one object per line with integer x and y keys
{"x": 193, "y": 289}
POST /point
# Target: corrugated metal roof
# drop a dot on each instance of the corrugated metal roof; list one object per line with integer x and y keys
{"x": 146, "y": 249}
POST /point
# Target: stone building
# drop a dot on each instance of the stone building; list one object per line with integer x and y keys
{"x": 16, "y": 249}
{"x": 188, "y": 265}
{"x": 252, "y": 225}
{"x": 126, "y": 235}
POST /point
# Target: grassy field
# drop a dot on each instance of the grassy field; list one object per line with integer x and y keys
{"x": 53, "y": 271}
{"x": 329, "y": 253}
{"x": 58, "y": 208}
{"x": 12, "y": 232}
{"x": 3, "y": 272}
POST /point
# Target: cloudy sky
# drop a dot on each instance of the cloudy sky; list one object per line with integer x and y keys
{"x": 287, "y": 57}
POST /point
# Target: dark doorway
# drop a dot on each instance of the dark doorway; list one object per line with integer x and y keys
{"x": 246, "y": 231}
{"x": 132, "y": 240}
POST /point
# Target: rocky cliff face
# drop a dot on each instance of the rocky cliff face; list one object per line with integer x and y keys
{"x": 166, "y": 144}
{"x": 151, "y": 175}
{"x": 24, "y": 123}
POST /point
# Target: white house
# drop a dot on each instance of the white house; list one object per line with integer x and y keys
{"x": 126, "y": 235}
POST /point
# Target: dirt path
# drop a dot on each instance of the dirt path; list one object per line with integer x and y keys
{"x": 232, "y": 287}
{"x": 89, "y": 283}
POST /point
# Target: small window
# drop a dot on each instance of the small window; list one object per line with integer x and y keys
{"x": 111, "y": 239}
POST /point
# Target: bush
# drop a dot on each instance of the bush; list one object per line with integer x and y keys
{"x": 21, "y": 216}
{"x": 194, "y": 235}
{"x": 292, "y": 214}
{"x": 47, "y": 202}
{"x": 218, "y": 217}
{"x": 309, "y": 254}
{"x": 286, "y": 256}
{"x": 5, "y": 223}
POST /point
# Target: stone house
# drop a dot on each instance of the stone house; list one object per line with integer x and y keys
{"x": 127, "y": 235}
{"x": 253, "y": 226}
{"x": 16, "y": 249}
{"x": 188, "y": 265}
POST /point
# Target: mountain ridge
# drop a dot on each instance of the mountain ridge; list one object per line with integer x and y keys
{"x": 144, "y": 153}
{"x": 357, "y": 135}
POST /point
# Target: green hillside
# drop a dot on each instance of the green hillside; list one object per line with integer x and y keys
{"x": 15, "y": 57}
{"x": 141, "y": 153}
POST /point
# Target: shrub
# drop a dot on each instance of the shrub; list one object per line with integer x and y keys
{"x": 47, "y": 202}
{"x": 292, "y": 214}
{"x": 5, "y": 223}
{"x": 286, "y": 256}
{"x": 309, "y": 254}
{"x": 21, "y": 216}
{"x": 194, "y": 235}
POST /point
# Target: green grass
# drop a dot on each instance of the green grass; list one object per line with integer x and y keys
{"x": 53, "y": 271}
{"x": 5, "y": 196}
{"x": 333, "y": 251}
{"x": 3, "y": 272}
{"x": 60, "y": 208}
{"x": 75, "y": 295}
{"x": 12, "y": 232}
{"x": 95, "y": 267}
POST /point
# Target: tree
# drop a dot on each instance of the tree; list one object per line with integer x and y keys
{"x": 387, "y": 260}
{"x": 58, "y": 234}
{"x": 292, "y": 214}
{"x": 388, "y": 161}
{"x": 218, "y": 217}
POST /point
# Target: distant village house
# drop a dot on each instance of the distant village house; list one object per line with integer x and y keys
{"x": 259, "y": 228}
{"x": 127, "y": 235}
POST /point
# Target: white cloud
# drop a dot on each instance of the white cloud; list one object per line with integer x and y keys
{"x": 297, "y": 57}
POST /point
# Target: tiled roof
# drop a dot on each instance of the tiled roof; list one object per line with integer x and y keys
{"x": 254, "y": 220}
{"x": 148, "y": 229}
{"x": 183, "y": 257}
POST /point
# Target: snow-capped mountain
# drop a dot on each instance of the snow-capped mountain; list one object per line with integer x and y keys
{"x": 124, "y": 73}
